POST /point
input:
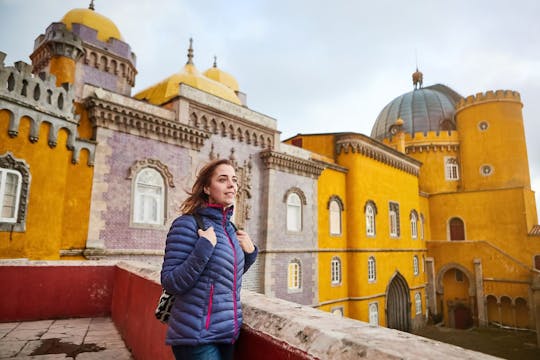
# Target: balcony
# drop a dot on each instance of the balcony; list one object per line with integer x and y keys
{"x": 127, "y": 293}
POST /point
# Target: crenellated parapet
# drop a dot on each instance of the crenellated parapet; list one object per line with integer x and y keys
{"x": 57, "y": 41}
{"x": 489, "y": 96}
{"x": 433, "y": 141}
{"x": 23, "y": 94}
{"x": 360, "y": 144}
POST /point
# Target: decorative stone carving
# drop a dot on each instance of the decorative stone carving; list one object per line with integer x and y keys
{"x": 291, "y": 164}
{"x": 153, "y": 163}
{"x": 8, "y": 161}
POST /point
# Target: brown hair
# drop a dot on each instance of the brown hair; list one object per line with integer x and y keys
{"x": 197, "y": 197}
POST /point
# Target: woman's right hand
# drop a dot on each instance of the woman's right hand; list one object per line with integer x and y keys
{"x": 209, "y": 234}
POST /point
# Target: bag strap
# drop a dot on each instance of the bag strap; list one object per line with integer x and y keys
{"x": 199, "y": 221}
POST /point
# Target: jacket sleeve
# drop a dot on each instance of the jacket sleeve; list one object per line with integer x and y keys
{"x": 186, "y": 256}
{"x": 249, "y": 259}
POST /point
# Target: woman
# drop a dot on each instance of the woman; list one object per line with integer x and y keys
{"x": 204, "y": 267}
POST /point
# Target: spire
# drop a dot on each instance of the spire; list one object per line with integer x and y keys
{"x": 417, "y": 79}
{"x": 190, "y": 52}
{"x": 91, "y": 6}
{"x": 215, "y": 61}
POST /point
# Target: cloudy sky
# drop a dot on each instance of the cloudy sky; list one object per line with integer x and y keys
{"x": 321, "y": 66}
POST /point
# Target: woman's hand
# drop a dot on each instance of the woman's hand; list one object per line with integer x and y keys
{"x": 245, "y": 241}
{"x": 209, "y": 234}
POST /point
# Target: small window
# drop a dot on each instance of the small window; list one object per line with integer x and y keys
{"x": 394, "y": 220}
{"x": 294, "y": 275}
{"x": 457, "y": 229}
{"x": 370, "y": 212}
{"x": 418, "y": 303}
{"x": 537, "y": 262}
{"x": 14, "y": 193}
{"x": 10, "y": 191}
{"x": 335, "y": 217}
{"x": 336, "y": 270}
{"x": 451, "y": 168}
{"x": 416, "y": 269}
{"x": 372, "y": 269}
{"x": 294, "y": 212}
{"x": 149, "y": 197}
{"x": 374, "y": 314}
{"x": 483, "y": 125}
{"x": 486, "y": 170}
{"x": 414, "y": 224}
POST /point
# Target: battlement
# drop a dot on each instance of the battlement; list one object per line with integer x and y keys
{"x": 489, "y": 96}
{"x": 18, "y": 84}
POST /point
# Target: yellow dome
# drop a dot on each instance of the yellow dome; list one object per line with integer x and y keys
{"x": 104, "y": 26}
{"x": 170, "y": 87}
{"x": 222, "y": 77}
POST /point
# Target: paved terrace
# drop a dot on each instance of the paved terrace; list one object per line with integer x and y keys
{"x": 109, "y": 302}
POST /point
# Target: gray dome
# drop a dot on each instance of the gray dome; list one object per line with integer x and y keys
{"x": 422, "y": 110}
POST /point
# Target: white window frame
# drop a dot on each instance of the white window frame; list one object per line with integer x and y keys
{"x": 4, "y": 173}
{"x": 372, "y": 269}
{"x": 422, "y": 227}
{"x": 451, "y": 168}
{"x": 294, "y": 275}
{"x": 414, "y": 225}
{"x": 418, "y": 303}
{"x": 370, "y": 220}
{"x": 140, "y": 215}
{"x": 334, "y": 212}
{"x": 294, "y": 212}
{"x": 416, "y": 267}
{"x": 374, "y": 314}
{"x": 335, "y": 270}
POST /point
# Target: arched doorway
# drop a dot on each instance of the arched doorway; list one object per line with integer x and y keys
{"x": 398, "y": 304}
{"x": 457, "y": 229}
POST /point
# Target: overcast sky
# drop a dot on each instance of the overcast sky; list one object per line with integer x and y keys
{"x": 320, "y": 66}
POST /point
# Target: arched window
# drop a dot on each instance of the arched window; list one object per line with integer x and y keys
{"x": 149, "y": 197}
{"x": 416, "y": 269}
{"x": 451, "y": 170}
{"x": 418, "y": 303}
{"x": 294, "y": 212}
{"x": 394, "y": 219}
{"x": 372, "y": 269}
{"x": 294, "y": 275}
{"x": 336, "y": 270}
{"x": 14, "y": 193}
{"x": 374, "y": 314}
{"x": 370, "y": 211}
{"x": 414, "y": 224}
{"x": 10, "y": 192}
{"x": 335, "y": 216}
{"x": 457, "y": 229}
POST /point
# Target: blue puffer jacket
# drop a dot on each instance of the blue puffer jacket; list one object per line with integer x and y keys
{"x": 205, "y": 279}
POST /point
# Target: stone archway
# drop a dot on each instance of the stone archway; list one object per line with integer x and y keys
{"x": 398, "y": 304}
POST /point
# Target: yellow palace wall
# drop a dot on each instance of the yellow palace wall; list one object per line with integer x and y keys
{"x": 59, "y": 194}
{"x": 332, "y": 183}
{"x": 369, "y": 179}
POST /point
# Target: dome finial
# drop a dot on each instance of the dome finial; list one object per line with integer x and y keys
{"x": 190, "y": 52}
{"x": 215, "y": 61}
{"x": 91, "y": 6}
{"x": 417, "y": 79}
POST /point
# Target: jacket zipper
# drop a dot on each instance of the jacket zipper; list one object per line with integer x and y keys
{"x": 234, "y": 276}
{"x": 208, "y": 315}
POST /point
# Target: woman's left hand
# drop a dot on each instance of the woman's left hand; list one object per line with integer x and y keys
{"x": 245, "y": 241}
